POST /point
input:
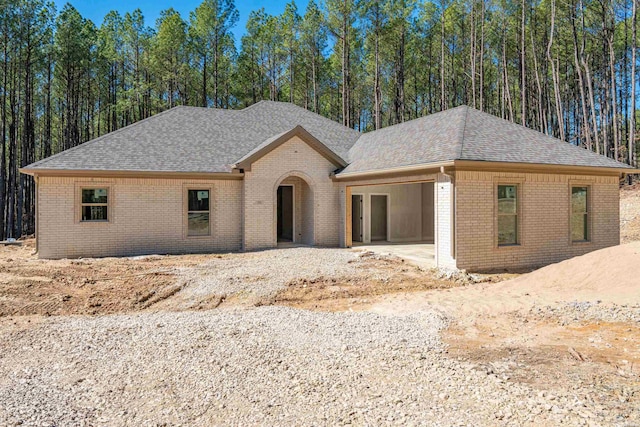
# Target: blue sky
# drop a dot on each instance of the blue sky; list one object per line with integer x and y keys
{"x": 95, "y": 10}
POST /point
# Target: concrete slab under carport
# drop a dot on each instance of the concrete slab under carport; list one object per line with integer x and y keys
{"x": 418, "y": 253}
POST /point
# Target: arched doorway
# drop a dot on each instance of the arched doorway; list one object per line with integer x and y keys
{"x": 294, "y": 210}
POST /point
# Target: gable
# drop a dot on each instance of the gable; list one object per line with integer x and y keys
{"x": 273, "y": 143}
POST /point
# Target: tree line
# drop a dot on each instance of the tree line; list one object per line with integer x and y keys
{"x": 566, "y": 68}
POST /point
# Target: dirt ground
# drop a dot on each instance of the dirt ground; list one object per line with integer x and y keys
{"x": 31, "y": 286}
{"x": 596, "y": 362}
{"x": 570, "y": 326}
{"x": 360, "y": 293}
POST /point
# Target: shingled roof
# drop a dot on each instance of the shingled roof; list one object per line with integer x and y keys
{"x": 192, "y": 139}
{"x": 464, "y": 133}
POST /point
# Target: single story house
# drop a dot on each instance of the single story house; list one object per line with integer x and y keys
{"x": 487, "y": 193}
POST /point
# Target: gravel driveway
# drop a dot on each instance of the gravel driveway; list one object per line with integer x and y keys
{"x": 266, "y": 365}
{"x": 275, "y": 365}
{"x": 258, "y": 276}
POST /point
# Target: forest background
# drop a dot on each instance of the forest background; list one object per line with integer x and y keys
{"x": 567, "y": 68}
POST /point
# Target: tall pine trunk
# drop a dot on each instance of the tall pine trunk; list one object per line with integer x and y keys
{"x": 523, "y": 75}
{"x": 632, "y": 116}
{"x": 204, "y": 102}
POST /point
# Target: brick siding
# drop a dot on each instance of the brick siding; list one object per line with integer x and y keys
{"x": 145, "y": 216}
{"x": 149, "y": 215}
{"x": 543, "y": 217}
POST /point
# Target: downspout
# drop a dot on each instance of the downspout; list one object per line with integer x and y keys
{"x": 454, "y": 241}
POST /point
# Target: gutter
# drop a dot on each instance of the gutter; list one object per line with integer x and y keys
{"x": 541, "y": 167}
{"x": 489, "y": 166}
{"x": 391, "y": 171}
{"x": 445, "y": 173}
{"x": 130, "y": 174}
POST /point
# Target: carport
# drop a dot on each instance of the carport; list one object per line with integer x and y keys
{"x": 393, "y": 218}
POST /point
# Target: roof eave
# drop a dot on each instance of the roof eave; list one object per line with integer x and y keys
{"x": 487, "y": 166}
{"x": 542, "y": 167}
{"x": 392, "y": 171}
{"x": 93, "y": 173}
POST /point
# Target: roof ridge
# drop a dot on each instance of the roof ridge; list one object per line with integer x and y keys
{"x": 302, "y": 110}
{"x": 262, "y": 101}
{"x": 306, "y": 111}
{"x": 464, "y": 131}
{"x": 102, "y": 137}
{"x": 197, "y": 107}
{"x": 417, "y": 118}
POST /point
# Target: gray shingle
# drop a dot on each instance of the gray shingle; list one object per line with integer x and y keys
{"x": 489, "y": 138}
{"x": 192, "y": 139}
{"x": 262, "y": 145}
{"x": 272, "y": 118}
{"x": 433, "y": 138}
{"x": 464, "y": 133}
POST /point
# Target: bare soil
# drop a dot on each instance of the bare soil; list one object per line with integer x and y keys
{"x": 358, "y": 293}
{"x": 30, "y": 286}
{"x": 599, "y": 361}
{"x": 572, "y": 326}
{"x": 96, "y": 286}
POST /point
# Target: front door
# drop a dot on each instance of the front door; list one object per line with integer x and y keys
{"x": 356, "y": 218}
{"x": 378, "y": 217}
{"x": 285, "y": 213}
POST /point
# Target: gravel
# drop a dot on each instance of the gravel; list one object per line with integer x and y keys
{"x": 265, "y": 365}
{"x": 264, "y": 273}
{"x": 578, "y": 311}
{"x": 273, "y": 365}
{"x": 461, "y": 277}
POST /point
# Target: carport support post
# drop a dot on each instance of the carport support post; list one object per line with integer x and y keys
{"x": 445, "y": 224}
{"x": 348, "y": 238}
{"x": 37, "y": 223}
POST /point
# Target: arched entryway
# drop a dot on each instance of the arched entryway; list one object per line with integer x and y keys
{"x": 294, "y": 210}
